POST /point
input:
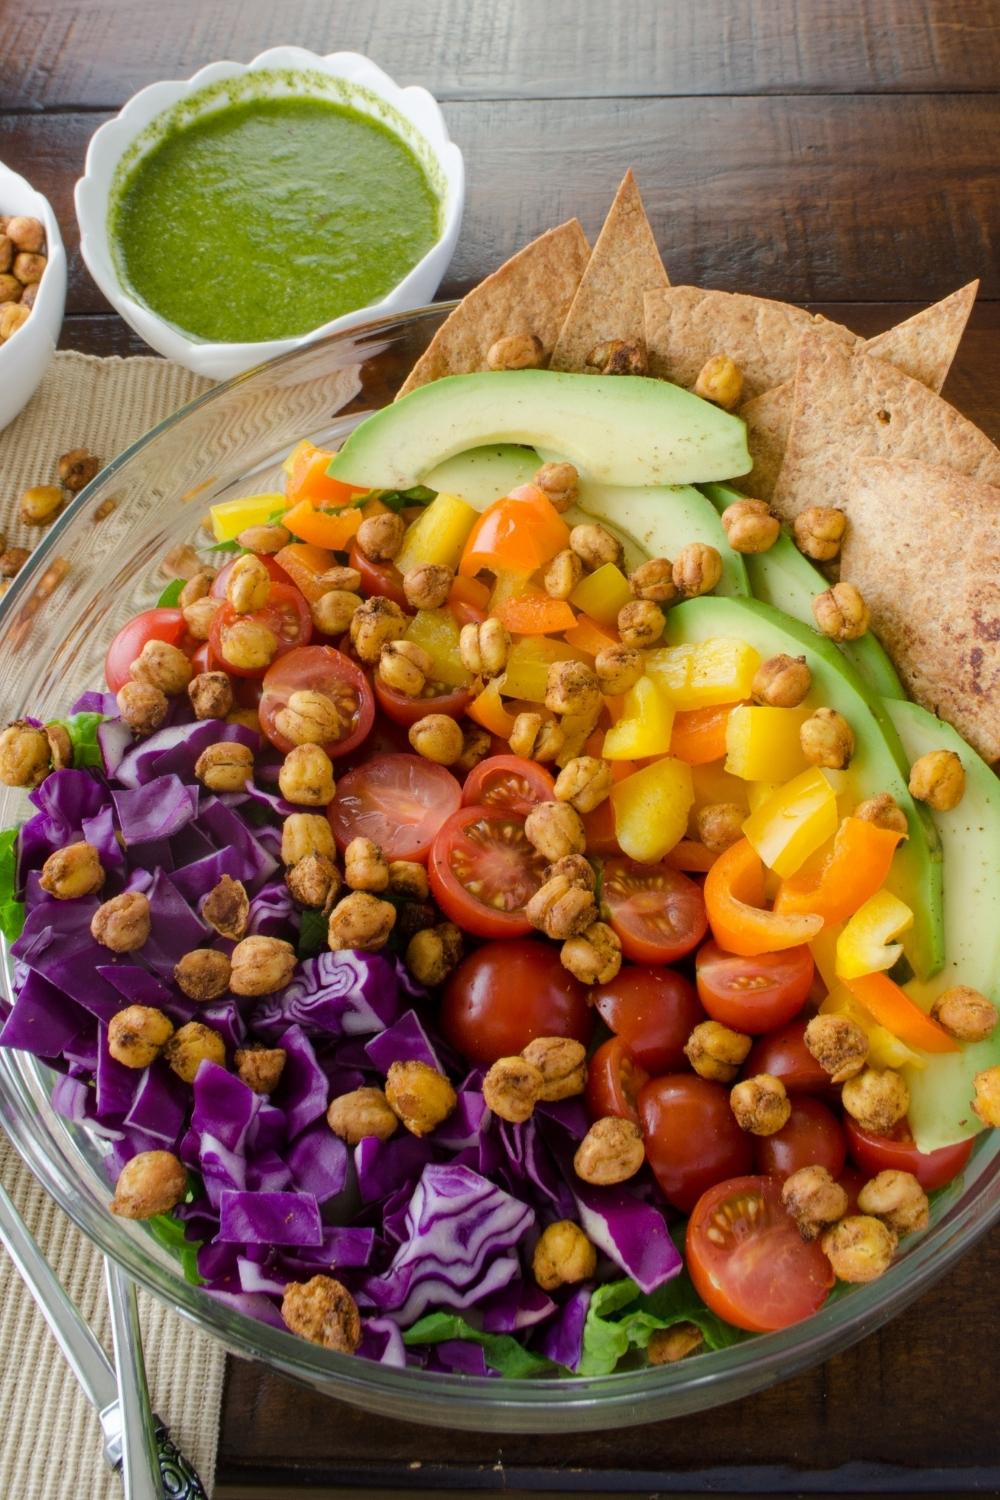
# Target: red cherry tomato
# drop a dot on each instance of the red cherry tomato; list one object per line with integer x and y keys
{"x": 813, "y": 1137}
{"x": 398, "y": 801}
{"x": 658, "y": 913}
{"x": 599, "y": 826}
{"x": 221, "y": 579}
{"x": 202, "y": 659}
{"x": 151, "y": 625}
{"x": 383, "y": 579}
{"x": 692, "y": 1138}
{"x": 483, "y": 872}
{"x": 748, "y": 1260}
{"x": 614, "y": 1079}
{"x": 784, "y": 1054}
{"x": 505, "y": 994}
{"x": 324, "y": 670}
{"x": 406, "y": 711}
{"x": 654, "y": 1011}
{"x": 508, "y": 783}
{"x": 753, "y": 994}
{"x": 286, "y": 613}
{"x": 852, "y": 1181}
{"x": 879, "y": 1153}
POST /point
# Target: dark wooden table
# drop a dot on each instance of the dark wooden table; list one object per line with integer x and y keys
{"x": 833, "y": 152}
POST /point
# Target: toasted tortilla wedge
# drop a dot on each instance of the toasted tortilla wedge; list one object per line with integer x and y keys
{"x": 624, "y": 264}
{"x": 923, "y": 546}
{"x": 530, "y": 293}
{"x": 847, "y": 403}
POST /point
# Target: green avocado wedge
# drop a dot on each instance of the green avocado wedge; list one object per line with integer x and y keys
{"x": 784, "y": 577}
{"x": 879, "y": 764}
{"x": 940, "y": 1093}
{"x": 663, "y": 520}
{"x": 483, "y": 475}
{"x": 624, "y": 429}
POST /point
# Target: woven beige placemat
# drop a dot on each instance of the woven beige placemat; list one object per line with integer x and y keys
{"x": 50, "y": 1439}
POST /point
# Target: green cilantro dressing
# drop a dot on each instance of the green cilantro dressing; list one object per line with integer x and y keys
{"x": 269, "y": 217}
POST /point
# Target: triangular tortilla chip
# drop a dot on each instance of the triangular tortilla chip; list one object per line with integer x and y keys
{"x": 686, "y": 325}
{"x": 923, "y": 546}
{"x": 847, "y": 404}
{"x": 608, "y": 305}
{"x": 530, "y": 293}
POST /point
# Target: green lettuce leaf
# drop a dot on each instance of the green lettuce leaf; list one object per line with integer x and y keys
{"x": 82, "y": 730}
{"x": 11, "y": 909}
{"x": 169, "y": 1232}
{"x": 312, "y": 933}
{"x": 397, "y": 500}
{"x": 502, "y": 1352}
{"x": 621, "y": 1318}
{"x": 171, "y": 594}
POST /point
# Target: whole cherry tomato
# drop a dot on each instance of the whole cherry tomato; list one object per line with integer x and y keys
{"x": 654, "y": 1011}
{"x": 812, "y": 1137}
{"x": 505, "y": 994}
{"x": 692, "y": 1138}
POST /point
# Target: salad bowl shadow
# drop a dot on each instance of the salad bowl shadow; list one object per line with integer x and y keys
{"x": 97, "y": 566}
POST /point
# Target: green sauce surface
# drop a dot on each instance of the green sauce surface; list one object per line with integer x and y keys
{"x": 269, "y": 217}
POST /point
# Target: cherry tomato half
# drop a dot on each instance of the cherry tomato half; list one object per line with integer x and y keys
{"x": 812, "y": 1137}
{"x": 879, "y": 1153}
{"x": 383, "y": 579}
{"x": 692, "y": 1138}
{"x": 658, "y": 913}
{"x": 753, "y": 995}
{"x": 286, "y": 614}
{"x": 151, "y": 625}
{"x": 483, "y": 872}
{"x": 404, "y": 710}
{"x": 784, "y": 1054}
{"x": 398, "y": 801}
{"x": 614, "y": 1079}
{"x": 508, "y": 783}
{"x": 654, "y": 1011}
{"x": 505, "y": 994}
{"x": 221, "y": 579}
{"x": 748, "y": 1260}
{"x": 325, "y": 670}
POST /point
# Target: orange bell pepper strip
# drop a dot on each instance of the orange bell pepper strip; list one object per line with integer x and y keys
{"x": 691, "y": 856}
{"x": 489, "y": 712}
{"x": 734, "y": 899}
{"x": 535, "y": 613}
{"x": 518, "y": 534}
{"x": 699, "y": 734}
{"x": 892, "y": 1008}
{"x": 334, "y": 530}
{"x": 469, "y": 601}
{"x": 305, "y": 564}
{"x": 589, "y": 637}
{"x": 308, "y": 479}
{"x": 855, "y": 868}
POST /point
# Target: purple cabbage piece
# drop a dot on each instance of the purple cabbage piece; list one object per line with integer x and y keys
{"x": 342, "y": 994}
{"x": 263, "y": 798}
{"x": 226, "y": 829}
{"x": 116, "y": 1084}
{"x": 632, "y": 1234}
{"x": 65, "y": 800}
{"x": 221, "y": 1169}
{"x": 520, "y": 1305}
{"x": 262, "y": 1309}
{"x": 114, "y": 738}
{"x": 269, "y": 1129}
{"x": 175, "y": 927}
{"x": 74, "y": 1101}
{"x": 382, "y": 1341}
{"x": 224, "y": 1106}
{"x": 302, "y": 1092}
{"x": 95, "y": 703}
{"x": 43, "y": 1020}
{"x": 319, "y": 1162}
{"x": 138, "y": 986}
{"x": 174, "y": 750}
{"x": 269, "y": 1219}
{"x": 156, "y": 810}
{"x": 254, "y": 1278}
{"x": 100, "y": 831}
{"x": 406, "y": 1041}
{"x": 562, "y": 1340}
{"x": 57, "y": 943}
{"x": 383, "y": 1167}
{"x": 465, "y": 1125}
{"x": 343, "y": 1248}
{"x": 224, "y": 1016}
{"x": 269, "y": 1173}
{"x": 272, "y": 911}
{"x": 459, "y": 1357}
{"x": 160, "y": 1105}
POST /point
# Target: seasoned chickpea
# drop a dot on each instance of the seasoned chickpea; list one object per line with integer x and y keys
{"x": 40, "y": 504}
{"x": 197, "y": 587}
{"x": 420, "y": 1096}
{"x": 203, "y": 974}
{"x": 226, "y": 908}
{"x": 225, "y": 767}
{"x": 264, "y": 540}
{"x": 819, "y": 531}
{"x": 72, "y": 872}
{"x": 10, "y": 293}
{"x": 617, "y": 669}
{"x": 654, "y": 580}
{"x": 428, "y": 585}
{"x": 210, "y": 695}
{"x": 25, "y": 756}
{"x": 876, "y": 1099}
{"x": 827, "y": 739}
{"x": 515, "y": 351}
{"x": 380, "y": 537}
{"x": 190, "y": 1046}
{"x": 595, "y": 545}
{"x": 716, "y": 1052}
{"x": 594, "y": 956}
{"x": 884, "y": 811}
{"x": 965, "y": 1014}
{"x": 536, "y": 737}
{"x": 813, "y": 1199}
{"x": 484, "y": 648}
{"x": 405, "y": 667}
{"x": 619, "y": 357}
{"x": 60, "y": 745}
{"x": 720, "y": 379}
{"x": 246, "y": 643}
{"x": 668, "y": 1345}
{"x": 562, "y": 1063}
{"x": 413, "y": 917}
{"x": 306, "y": 776}
{"x": 558, "y": 483}
{"x": 719, "y": 825}
{"x": 151, "y": 1183}
{"x": 12, "y": 560}
{"x": 859, "y": 1248}
{"x": 641, "y": 623}
{"x": 122, "y": 924}
{"x": 697, "y": 569}
{"x": 839, "y": 1046}
{"x": 584, "y": 782}
{"x": 323, "y": 1311}
{"x": 611, "y": 1151}
{"x": 138, "y": 1034}
{"x": 260, "y": 1067}
{"x": 306, "y": 833}
{"x": 561, "y": 908}
{"x": 360, "y": 1114}
{"x": 438, "y": 738}
{"x": 562, "y": 574}
{"x": 407, "y": 878}
{"x": 360, "y": 921}
{"x": 571, "y": 688}
{"x": 433, "y": 952}
{"x": 781, "y": 681}
{"x": 13, "y": 315}
{"x": 333, "y": 612}
{"x": 373, "y": 623}
{"x": 562, "y": 1256}
{"x": 841, "y": 612}
{"x": 309, "y": 718}
{"x": 751, "y": 526}
{"x": 261, "y": 965}
{"x": 26, "y": 232}
{"x": 199, "y": 615}
{"x": 555, "y": 829}
{"x": 365, "y": 866}
{"x": 511, "y": 1088}
{"x": 163, "y": 666}
{"x": 761, "y": 1104}
{"x": 339, "y": 577}
{"x": 986, "y": 1099}
{"x": 6, "y": 250}
{"x": 249, "y": 584}
{"x": 576, "y": 868}
{"x": 29, "y": 267}
{"x": 476, "y": 746}
{"x": 26, "y": 303}
{"x": 898, "y": 1200}
{"x": 314, "y": 882}
{"x": 77, "y": 468}
{"x": 938, "y": 778}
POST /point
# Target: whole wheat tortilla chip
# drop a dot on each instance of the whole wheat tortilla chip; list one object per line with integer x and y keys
{"x": 923, "y": 546}
{"x": 686, "y": 325}
{"x": 624, "y": 264}
{"x": 530, "y": 293}
{"x": 848, "y": 404}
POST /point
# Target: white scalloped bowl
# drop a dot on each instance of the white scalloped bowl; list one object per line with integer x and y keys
{"x": 24, "y": 358}
{"x": 343, "y": 77}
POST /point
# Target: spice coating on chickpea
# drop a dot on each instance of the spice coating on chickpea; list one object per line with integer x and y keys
{"x": 309, "y": 718}
{"x": 594, "y": 956}
{"x": 584, "y": 782}
{"x": 225, "y": 767}
{"x": 420, "y": 1096}
{"x": 362, "y": 1113}
{"x": 938, "y": 778}
{"x": 190, "y": 1046}
{"x": 380, "y": 537}
{"x": 476, "y": 746}
{"x": 438, "y": 738}
{"x": 841, "y": 612}
{"x": 365, "y": 866}
{"x": 617, "y": 669}
{"x": 819, "y": 531}
{"x": 428, "y": 585}
{"x": 26, "y": 232}
{"x": 203, "y": 974}
{"x": 750, "y": 526}
{"x": 561, "y": 908}
{"x": 122, "y": 924}
{"x": 306, "y": 833}
{"x": 697, "y": 569}
{"x": 562, "y": 1062}
{"x": 360, "y": 921}
{"x": 536, "y": 737}
{"x": 595, "y": 545}
{"x": 249, "y": 585}
{"x": 373, "y": 623}
{"x": 227, "y": 908}
{"x": 40, "y": 504}
{"x": 511, "y": 1089}
{"x": 827, "y": 739}
{"x": 306, "y": 776}
{"x": 333, "y": 611}
{"x": 562, "y": 1256}
{"x": 562, "y": 574}
{"x": 323, "y": 1312}
{"x": 261, "y": 965}
{"x": 25, "y": 756}
{"x": 641, "y": 623}
{"x": 408, "y": 878}
{"x": 248, "y": 644}
{"x": 859, "y": 1248}
{"x": 163, "y": 666}
{"x": 151, "y": 1183}
{"x": 60, "y": 745}
{"x": 558, "y": 483}
{"x": 719, "y": 825}
{"x": 884, "y": 811}
{"x": 761, "y": 1104}
{"x": 611, "y": 1151}
{"x": 515, "y": 351}
{"x": 619, "y": 357}
{"x": 405, "y": 667}
{"x": 654, "y": 580}
{"x": 210, "y": 695}
{"x": 571, "y": 688}
{"x": 898, "y": 1200}
{"x": 813, "y": 1199}
{"x": 432, "y": 952}
{"x": 986, "y": 1098}
{"x": 264, "y": 540}
{"x": 484, "y": 647}
{"x": 781, "y": 681}
{"x": 668, "y": 1345}
{"x": 72, "y": 872}
{"x": 838, "y": 1044}
{"x": 876, "y": 1099}
{"x": 715, "y": 1052}
{"x": 197, "y": 587}
{"x": 314, "y": 882}
{"x": 720, "y": 380}
{"x": 259, "y": 1067}
{"x": 965, "y": 1014}
{"x": 199, "y": 616}
{"x": 555, "y": 829}
{"x": 137, "y": 1035}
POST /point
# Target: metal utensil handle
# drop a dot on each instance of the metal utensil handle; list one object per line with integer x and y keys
{"x": 177, "y": 1476}
{"x": 140, "y": 1449}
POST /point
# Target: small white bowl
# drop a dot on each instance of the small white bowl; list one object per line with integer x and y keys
{"x": 345, "y": 77}
{"x": 25, "y": 356}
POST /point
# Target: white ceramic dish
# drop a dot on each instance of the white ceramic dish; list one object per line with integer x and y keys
{"x": 345, "y": 77}
{"x": 25, "y": 357}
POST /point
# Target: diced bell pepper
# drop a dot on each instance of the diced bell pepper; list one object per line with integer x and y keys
{"x": 528, "y": 667}
{"x": 589, "y": 637}
{"x": 334, "y": 529}
{"x": 308, "y": 479}
{"x": 719, "y": 670}
{"x": 645, "y": 727}
{"x": 518, "y": 534}
{"x": 670, "y": 668}
{"x": 713, "y": 784}
{"x": 439, "y": 534}
{"x": 488, "y": 711}
{"x": 884, "y": 1049}
{"x": 760, "y": 792}
{"x": 855, "y": 869}
{"x": 469, "y": 601}
{"x": 602, "y": 594}
{"x": 437, "y": 631}
{"x": 534, "y": 613}
{"x": 762, "y": 744}
{"x": 305, "y": 564}
{"x": 865, "y": 945}
{"x": 700, "y": 734}
{"x": 893, "y": 1009}
{"x": 794, "y": 822}
{"x": 651, "y": 809}
{"x": 734, "y": 898}
{"x": 230, "y": 517}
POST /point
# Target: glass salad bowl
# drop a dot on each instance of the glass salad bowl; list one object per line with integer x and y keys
{"x": 101, "y": 562}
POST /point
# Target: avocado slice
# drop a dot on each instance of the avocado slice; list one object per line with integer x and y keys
{"x": 483, "y": 475}
{"x": 880, "y": 763}
{"x": 940, "y": 1094}
{"x": 616, "y": 428}
{"x": 662, "y": 520}
{"x": 782, "y": 576}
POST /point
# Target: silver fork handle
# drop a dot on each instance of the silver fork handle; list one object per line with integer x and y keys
{"x": 140, "y": 1457}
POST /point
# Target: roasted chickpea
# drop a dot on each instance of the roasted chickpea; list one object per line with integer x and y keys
{"x": 210, "y": 695}
{"x": 309, "y": 718}
{"x": 163, "y": 666}
{"x": 877, "y": 1100}
{"x": 536, "y": 737}
{"x": 360, "y": 921}
{"x": 29, "y": 267}
{"x": 339, "y": 577}
{"x": 562, "y": 574}
{"x": 715, "y": 1052}
{"x": 898, "y": 1200}
{"x": 197, "y": 587}
{"x": 122, "y": 924}
{"x": 813, "y": 1199}
{"x": 561, "y": 908}
{"x": 306, "y": 777}
{"x": 617, "y": 669}
{"x": 571, "y": 688}
{"x": 314, "y": 882}
{"x": 26, "y": 232}
{"x": 323, "y": 1311}
{"x": 841, "y": 612}
{"x": 619, "y": 357}
{"x": 365, "y": 866}
{"x": 859, "y": 1248}
{"x": 595, "y": 545}
{"x": 226, "y": 908}
{"x": 151, "y": 1183}
{"x": 246, "y": 643}
{"x": 697, "y": 569}
{"x": 594, "y": 956}
{"x": 199, "y": 615}
{"x": 12, "y": 560}
{"x": 839, "y": 1046}
{"x": 25, "y": 756}
{"x": 333, "y": 612}
{"x": 413, "y": 917}
{"x": 249, "y": 584}
{"x": 373, "y": 623}
{"x": 781, "y": 682}
{"x": 668, "y": 1345}
{"x": 761, "y": 1104}
{"x": 260, "y": 1067}
{"x": 515, "y": 351}
{"x": 720, "y": 379}
{"x": 641, "y": 623}
{"x": 360, "y": 1114}
{"x": 408, "y": 878}
{"x": 41, "y": 504}
{"x": 264, "y": 540}
{"x": 986, "y": 1099}
{"x": 558, "y": 483}
{"x": 10, "y": 294}
{"x": 261, "y": 965}
{"x": 476, "y": 746}
{"x": 428, "y": 586}
{"x": 72, "y": 872}
{"x": 190, "y": 1046}
{"x": 380, "y": 537}
{"x": 419, "y": 1095}
{"x": 751, "y": 526}
{"x": 654, "y": 580}
{"x": 511, "y": 1088}
{"x": 584, "y": 782}
{"x": 819, "y": 531}
{"x": 484, "y": 648}
{"x": 575, "y": 868}
{"x": 225, "y": 767}
{"x": 884, "y": 811}
{"x": 719, "y": 825}
{"x": 306, "y": 833}
{"x": 60, "y": 745}
{"x": 562, "y": 1256}
{"x": 138, "y": 1034}
{"x": 6, "y": 251}
{"x": 203, "y": 974}
{"x": 562, "y": 1063}
{"x": 438, "y": 738}
{"x": 965, "y": 1014}
{"x": 827, "y": 739}
{"x": 13, "y": 315}
{"x": 938, "y": 778}
{"x": 405, "y": 667}
{"x": 611, "y": 1151}
{"x": 555, "y": 829}
{"x": 433, "y": 952}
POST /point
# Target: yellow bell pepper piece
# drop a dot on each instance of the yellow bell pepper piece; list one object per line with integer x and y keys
{"x": 824, "y": 951}
{"x": 865, "y": 946}
{"x": 762, "y": 744}
{"x": 720, "y": 670}
{"x": 651, "y": 808}
{"x": 645, "y": 726}
{"x": 793, "y": 823}
{"x": 670, "y": 668}
{"x": 439, "y": 535}
{"x": 759, "y": 792}
{"x": 230, "y": 517}
{"x": 528, "y": 665}
{"x": 884, "y": 1049}
{"x": 437, "y": 631}
{"x": 508, "y": 586}
{"x": 602, "y": 594}
{"x": 713, "y": 784}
